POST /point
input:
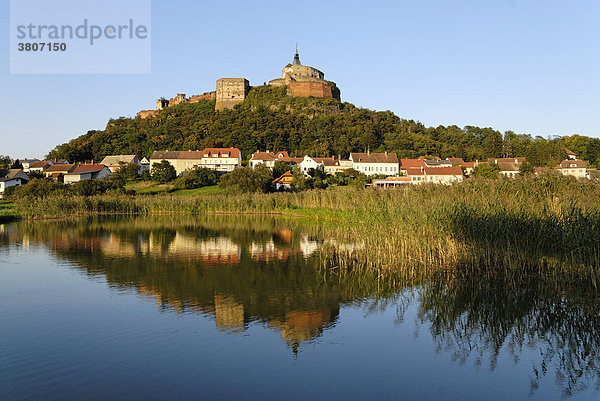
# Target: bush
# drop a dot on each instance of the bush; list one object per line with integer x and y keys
{"x": 248, "y": 179}
{"x": 89, "y": 187}
{"x": 490, "y": 170}
{"x": 163, "y": 172}
{"x": 38, "y": 188}
{"x": 197, "y": 177}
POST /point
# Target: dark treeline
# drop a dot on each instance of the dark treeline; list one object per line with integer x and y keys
{"x": 320, "y": 127}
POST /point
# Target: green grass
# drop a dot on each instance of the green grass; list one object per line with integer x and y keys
{"x": 210, "y": 190}
{"x": 153, "y": 188}
{"x": 8, "y": 211}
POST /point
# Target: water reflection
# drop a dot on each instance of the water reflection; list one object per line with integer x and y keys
{"x": 238, "y": 270}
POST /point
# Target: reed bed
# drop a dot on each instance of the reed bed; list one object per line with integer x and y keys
{"x": 545, "y": 225}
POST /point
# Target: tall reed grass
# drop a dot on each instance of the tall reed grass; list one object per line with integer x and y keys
{"x": 548, "y": 225}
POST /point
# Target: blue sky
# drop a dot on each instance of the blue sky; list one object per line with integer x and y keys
{"x": 528, "y": 66}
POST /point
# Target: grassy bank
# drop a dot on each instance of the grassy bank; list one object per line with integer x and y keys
{"x": 8, "y": 212}
{"x": 545, "y": 225}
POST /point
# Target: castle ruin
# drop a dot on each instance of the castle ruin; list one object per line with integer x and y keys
{"x": 231, "y": 91}
{"x": 300, "y": 80}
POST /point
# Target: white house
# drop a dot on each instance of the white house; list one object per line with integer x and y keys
{"x": 11, "y": 178}
{"x": 85, "y": 172}
{"x": 221, "y": 159}
{"x": 309, "y": 163}
{"x": 114, "y": 162}
{"x": 268, "y": 158}
{"x": 435, "y": 175}
{"x": 375, "y": 163}
{"x": 575, "y": 168}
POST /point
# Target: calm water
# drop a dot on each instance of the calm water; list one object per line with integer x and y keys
{"x": 237, "y": 308}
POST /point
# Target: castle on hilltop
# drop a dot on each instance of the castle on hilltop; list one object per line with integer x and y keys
{"x": 300, "y": 80}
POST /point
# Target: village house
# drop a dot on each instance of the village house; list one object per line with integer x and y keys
{"x": 392, "y": 182}
{"x": 435, "y": 175}
{"x": 221, "y": 159}
{"x": 509, "y": 167}
{"x": 469, "y": 166}
{"x": 570, "y": 155}
{"x": 332, "y": 165}
{"x": 284, "y": 181}
{"x": 11, "y": 178}
{"x": 180, "y": 160}
{"x": 26, "y": 163}
{"x": 56, "y": 172}
{"x": 269, "y": 158}
{"x": 114, "y": 163}
{"x": 406, "y": 164}
{"x": 309, "y": 164}
{"x": 375, "y": 163}
{"x": 144, "y": 165}
{"x": 40, "y": 166}
{"x": 575, "y": 168}
{"x": 437, "y": 163}
{"x": 86, "y": 172}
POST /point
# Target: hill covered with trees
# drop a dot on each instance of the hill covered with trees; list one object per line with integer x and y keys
{"x": 268, "y": 119}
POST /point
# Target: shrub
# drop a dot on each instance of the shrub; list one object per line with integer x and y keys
{"x": 197, "y": 177}
{"x": 247, "y": 179}
{"x": 163, "y": 172}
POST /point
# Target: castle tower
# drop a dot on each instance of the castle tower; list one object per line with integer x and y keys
{"x": 231, "y": 91}
{"x": 296, "y": 58}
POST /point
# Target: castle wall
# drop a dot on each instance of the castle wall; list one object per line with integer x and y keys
{"x": 231, "y": 91}
{"x": 205, "y": 96}
{"x": 306, "y": 89}
{"x": 147, "y": 113}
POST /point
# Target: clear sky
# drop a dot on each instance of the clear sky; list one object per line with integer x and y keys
{"x": 528, "y": 66}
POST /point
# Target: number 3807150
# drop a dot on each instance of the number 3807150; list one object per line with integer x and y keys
{"x": 40, "y": 47}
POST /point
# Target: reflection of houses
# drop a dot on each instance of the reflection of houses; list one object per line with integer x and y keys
{"x": 229, "y": 314}
{"x": 268, "y": 251}
{"x": 303, "y": 325}
{"x": 217, "y": 250}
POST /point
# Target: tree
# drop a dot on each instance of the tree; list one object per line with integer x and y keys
{"x": 4, "y": 161}
{"x": 280, "y": 168}
{"x": 526, "y": 168}
{"x": 17, "y": 165}
{"x": 247, "y": 179}
{"x": 163, "y": 172}
{"x": 490, "y": 170}
{"x": 89, "y": 187}
{"x": 197, "y": 177}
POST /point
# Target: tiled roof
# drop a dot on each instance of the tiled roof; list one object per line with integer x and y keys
{"x": 411, "y": 163}
{"x": 285, "y": 176}
{"x": 327, "y": 161}
{"x": 374, "y": 157}
{"x": 221, "y": 152}
{"x": 88, "y": 168}
{"x": 572, "y": 164}
{"x": 443, "y": 170}
{"x": 39, "y": 164}
{"x": 455, "y": 160}
{"x": 59, "y": 168}
{"x": 263, "y": 155}
{"x": 570, "y": 153}
{"x": 114, "y": 161}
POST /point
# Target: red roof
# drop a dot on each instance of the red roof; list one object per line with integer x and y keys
{"x": 59, "y": 168}
{"x": 411, "y": 163}
{"x": 415, "y": 170}
{"x": 287, "y": 177}
{"x": 455, "y": 160}
{"x": 220, "y": 152}
{"x": 88, "y": 168}
{"x": 262, "y": 155}
{"x": 443, "y": 170}
{"x": 570, "y": 152}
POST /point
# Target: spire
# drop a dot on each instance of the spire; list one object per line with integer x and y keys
{"x": 296, "y": 57}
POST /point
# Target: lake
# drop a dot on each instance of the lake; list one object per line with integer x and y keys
{"x": 231, "y": 307}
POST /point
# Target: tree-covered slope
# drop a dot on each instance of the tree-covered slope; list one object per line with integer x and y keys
{"x": 268, "y": 119}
